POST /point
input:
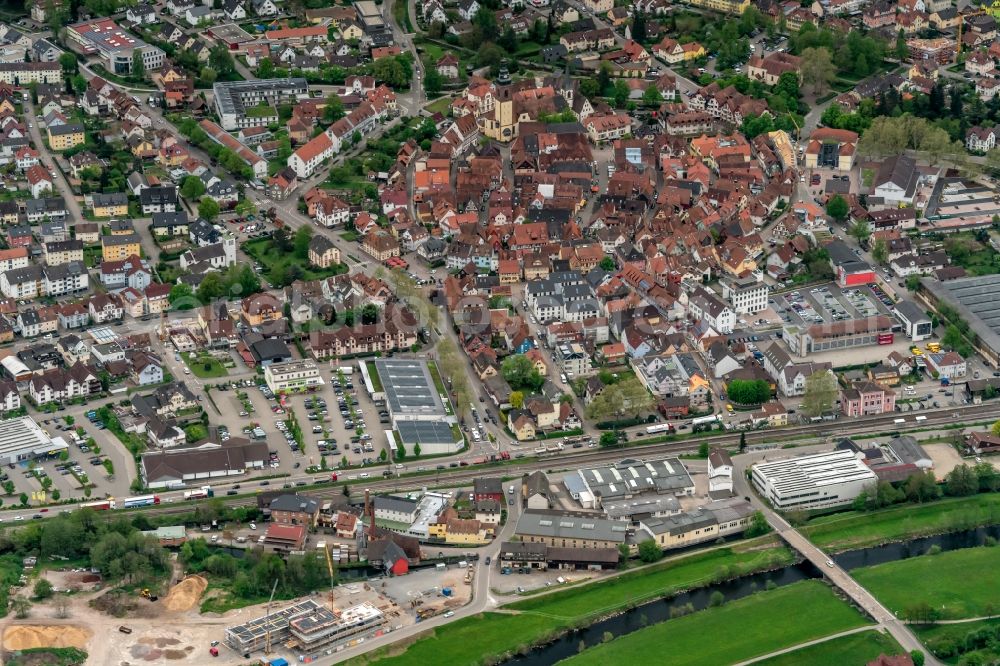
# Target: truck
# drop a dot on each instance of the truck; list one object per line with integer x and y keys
{"x": 100, "y": 505}
{"x": 201, "y": 493}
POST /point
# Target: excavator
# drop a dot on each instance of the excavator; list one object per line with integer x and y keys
{"x": 146, "y": 594}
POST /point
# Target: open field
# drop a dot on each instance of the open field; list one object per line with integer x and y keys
{"x": 955, "y": 584}
{"x": 849, "y": 530}
{"x": 204, "y": 366}
{"x": 858, "y": 648}
{"x": 549, "y": 614}
{"x": 276, "y": 263}
{"x": 745, "y": 628}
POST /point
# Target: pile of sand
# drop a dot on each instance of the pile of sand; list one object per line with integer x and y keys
{"x": 185, "y": 594}
{"x": 26, "y": 636}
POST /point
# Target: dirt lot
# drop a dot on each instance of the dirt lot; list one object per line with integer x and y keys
{"x": 945, "y": 458}
{"x": 25, "y": 636}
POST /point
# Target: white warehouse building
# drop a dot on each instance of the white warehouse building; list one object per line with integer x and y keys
{"x": 814, "y": 481}
{"x": 746, "y": 295}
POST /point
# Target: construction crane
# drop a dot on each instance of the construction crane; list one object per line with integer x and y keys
{"x": 267, "y": 632}
{"x": 329, "y": 563}
{"x": 993, "y": 10}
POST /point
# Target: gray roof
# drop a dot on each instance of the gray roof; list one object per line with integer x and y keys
{"x": 911, "y": 312}
{"x": 294, "y": 503}
{"x": 907, "y": 450}
{"x": 408, "y": 387}
{"x": 561, "y": 525}
{"x": 632, "y": 477}
{"x": 398, "y": 504}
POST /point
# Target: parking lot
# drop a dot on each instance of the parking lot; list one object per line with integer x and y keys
{"x": 338, "y": 422}
{"x": 829, "y": 303}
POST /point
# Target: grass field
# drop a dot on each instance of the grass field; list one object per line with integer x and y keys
{"x": 276, "y": 263}
{"x": 477, "y": 639}
{"x": 849, "y": 530}
{"x": 745, "y": 628}
{"x": 204, "y": 366}
{"x": 945, "y": 640}
{"x": 942, "y": 581}
{"x": 439, "y": 106}
{"x": 858, "y": 648}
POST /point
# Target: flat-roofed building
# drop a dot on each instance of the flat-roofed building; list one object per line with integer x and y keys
{"x": 813, "y": 481}
{"x": 23, "y": 439}
{"x": 176, "y": 467}
{"x": 309, "y": 624}
{"x": 292, "y": 376}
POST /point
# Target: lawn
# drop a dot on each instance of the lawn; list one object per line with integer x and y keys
{"x": 947, "y": 640}
{"x": 942, "y": 582}
{"x": 755, "y": 625}
{"x": 373, "y": 375}
{"x": 858, "y": 648}
{"x": 276, "y": 264}
{"x": 439, "y": 106}
{"x": 204, "y": 366}
{"x": 547, "y": 615}
{"x": 850, "y": 530}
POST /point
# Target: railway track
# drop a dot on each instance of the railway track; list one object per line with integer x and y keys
{"x": 573, "y": 458}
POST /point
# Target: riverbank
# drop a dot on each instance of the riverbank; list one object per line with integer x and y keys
{"x": 953, "y": 642}
{"x": 857, "y": 529}
{"x": 756, "y": 625}
{"x": 944, "y": 586}
{"x": 488, "y": 637}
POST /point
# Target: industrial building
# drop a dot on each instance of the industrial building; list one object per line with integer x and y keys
{"x": 974, "y": 299}
{"x": 706, "y": 523}
{"x": 115, "y": 46}
{"x": 23, "y": 439}
{"x": 561, "y": 529}
{"x": 305, "y": 625}
{"x": 177, "y": 467}
{"x": 814, "y": 481}
{"x": 418, "y": 412}
{"x": 628, "y": 479}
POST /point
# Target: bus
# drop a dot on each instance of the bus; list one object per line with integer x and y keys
{"x": 658, "y": 428}
{"x": 142, "y": 500}
{"x": 100, "y": 505}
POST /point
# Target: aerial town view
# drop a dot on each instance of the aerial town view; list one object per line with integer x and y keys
{"x": 481, "y": 332}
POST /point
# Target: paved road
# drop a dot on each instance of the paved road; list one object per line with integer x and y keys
{"x": 60, "y": 182}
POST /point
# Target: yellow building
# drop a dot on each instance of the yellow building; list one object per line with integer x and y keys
{"x": 109, "y": 205}
{"x": 502, "y": 124}
{"x": 119, "y": 248}
{"x": 725, "y": 6}
{"x": 64, "y": 137}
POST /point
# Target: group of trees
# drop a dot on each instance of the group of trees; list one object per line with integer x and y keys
{"x": 239, "y": 281}
{"x": 828, "y": 52}
{"x": 451, "y": 366}
{"x": 888, "y": 135}
{"x": 519, "y": 371}
{"x": 224, "y": 156}
{"x": 626, "y": 399}
{"x": 962, "y": 481}
{"x": 749, "y": 391}
{"x": 974, "y": 646}
{"x": 252, "y": 576}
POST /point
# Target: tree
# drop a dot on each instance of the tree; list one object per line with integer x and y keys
{"x": 749, "y": 392}
{"x": 917, "y": 656}
{"x": 20, "y": 606}
{"x": 609, "y": 439}
{"x": 43, "y": 589}
{"x": 820, "y": 393}
{"x": 621, "y": 93}
{"x": 716, "y": 599}
{"x": 604, "y": 77}
{"x": 208, "y": 208}
{"x": 182, "y": 296}
{"x": 902, "y": 50}
{"x": 521, "y": 373}
{"x": 743, "y": 442}
{"x": 369, "y": 314}
{"x": 333, "y": 109}
{"x": 607, "y": 264}
{"x": 649, "y": 551}
{"x": 861, "y": 231}
{"x": 516, "y": 399}
{"x": 138, "y": 66}
{"x": 961, "y": 481}
{"x": 639, "y": 27}
{"x": 433, "y": 82}
{"x": 208, "y": 75}
{"x": 817, "y": 69}
{"x": 416, "y": 450}
{"x": 758, "y": 525}
{"x": 922, "y": 487}
{"x": 652, "y": 96}
{"x": 623, "y": 553}
{"x": 192, "y": 188}
{"x": 880, "y": 251}
{"x": 390, "y": 71}
{"x": 837, "y": 208}
{"x": 300, "y": 242}
{"x": 626, "y": 399}
{"x": 68, "y": 62}
{"x": 989, "y": 478}
{"x": 222, "y": 62}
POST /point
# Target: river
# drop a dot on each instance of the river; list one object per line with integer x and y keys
{"x": 658, "y": 611}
